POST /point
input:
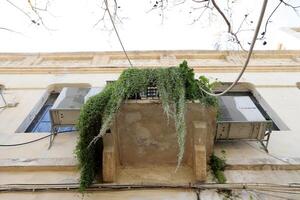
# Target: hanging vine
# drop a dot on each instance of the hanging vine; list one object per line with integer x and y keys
{"x": 175, "y": 85}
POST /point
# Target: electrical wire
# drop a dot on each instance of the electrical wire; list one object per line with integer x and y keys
{"x": 32, "y": 141}
{"x": 117, "y": 33}
{"x": 262, "y": 13}
{"x": 267, "y": 187}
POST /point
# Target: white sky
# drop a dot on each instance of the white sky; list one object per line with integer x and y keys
{"x": 73, "y": 21}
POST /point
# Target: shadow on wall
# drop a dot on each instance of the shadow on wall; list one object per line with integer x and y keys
{"x": 298, "y": 85}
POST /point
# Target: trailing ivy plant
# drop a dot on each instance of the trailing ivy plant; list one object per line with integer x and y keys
{"x": 175, "y": 86}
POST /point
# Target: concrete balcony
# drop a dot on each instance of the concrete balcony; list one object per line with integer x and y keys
{"x": 143, "y": 144}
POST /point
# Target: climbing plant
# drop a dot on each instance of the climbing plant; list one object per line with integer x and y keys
{"x": 175, "y": 86}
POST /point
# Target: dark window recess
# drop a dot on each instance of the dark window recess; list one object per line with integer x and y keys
{"x": 109, "y": 82}
{"x": 42, "y": 121}
{"x": 260, "y": 108}
{"x": 150, "y": 93}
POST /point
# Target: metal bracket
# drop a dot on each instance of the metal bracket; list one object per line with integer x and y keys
{"x": 265, "y": 141}
{"x": 52, "y": 136}
{"x": 5, "y": 103}
{"x": 223, "y": 136}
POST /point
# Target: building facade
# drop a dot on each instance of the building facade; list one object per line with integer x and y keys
{"x": 26, "y": 80}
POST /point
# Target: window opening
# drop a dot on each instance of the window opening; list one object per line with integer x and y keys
{"x": 42, "y": 121}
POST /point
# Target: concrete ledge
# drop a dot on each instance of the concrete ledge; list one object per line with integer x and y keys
{"x": 115, "y": 62}
{"x": 241, "y": 155}
{"x": 264, "y": 176}
{"x": 116, "y": 69}
{"x": 259, "y": 166}
{"x": 38, "y": 176}
{"x": 38, "y": 164}
{"x": 162, "y": 174}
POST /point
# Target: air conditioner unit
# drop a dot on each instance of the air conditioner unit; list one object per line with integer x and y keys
{"x": 239, "y": 118}
{"x": 66, "y": 108}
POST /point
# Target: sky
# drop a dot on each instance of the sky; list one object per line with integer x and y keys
{"x": 70, "y": 26}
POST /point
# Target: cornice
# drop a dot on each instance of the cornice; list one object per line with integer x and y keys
{"x": 115, "y": 62}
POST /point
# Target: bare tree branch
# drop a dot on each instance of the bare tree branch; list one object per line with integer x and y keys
{"x": 204, "y": 8}
{"x": 161, "y": 5}
{"x": 10, "y": 30}
{"x": 229, "y": 30}
{"x": 263, "y": 34}
{"x": 290, "y": 5}
{"x": 226, "y": 14}
{"x": 19, "y": 9}
{"x": 36, "y": 10}
{"x": 34, "y": 13}
{"x": 281, "y": 2}
{"x": 105, "y": 14}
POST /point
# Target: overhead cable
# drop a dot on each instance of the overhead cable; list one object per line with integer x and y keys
{"x": 32, "y": 141}
{"x": 117, "y": 33}
{"x": 262, "y": 13}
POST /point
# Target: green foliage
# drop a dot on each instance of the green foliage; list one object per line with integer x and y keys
{"x": 204, "y": 83}
{"x": 192, "y": 86}
{"x": 175, "y": 85}
{"x": 190, "y": 83}
{"x": 217, "y": 166}
{"x": 89, "y": 125}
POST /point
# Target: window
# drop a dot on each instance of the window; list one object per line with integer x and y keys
{"x": 42, "y": 121}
